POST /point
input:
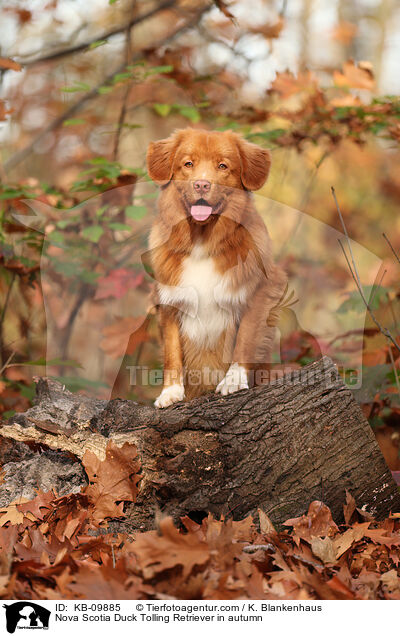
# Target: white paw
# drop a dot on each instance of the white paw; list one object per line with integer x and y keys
{"x": 170, "y": 395}
{"x": 235, "y": 380}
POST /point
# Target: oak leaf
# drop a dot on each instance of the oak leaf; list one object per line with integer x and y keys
{"x": 355, "y": 75}
{"x": 317, "y": 522}
{"x": 158, "y": 552}
{"x": 113, "y": 480}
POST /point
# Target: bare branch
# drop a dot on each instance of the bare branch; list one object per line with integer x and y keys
{"x": 396, "y": 375}
{"x": 381, "y": 328}
{"x": 104, "y": 36}
{"x": 22, "y": 154}
{"x": 377, "y": 287}
{"x": 391, "y": 247}
{"x": 122, "y": 114}
{"x": 7, "y": 363}
{"x": 349, "y": 245}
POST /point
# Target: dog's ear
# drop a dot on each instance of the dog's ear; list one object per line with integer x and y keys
{"x": 160, "y": 157}
{"x": 255, "y": 164}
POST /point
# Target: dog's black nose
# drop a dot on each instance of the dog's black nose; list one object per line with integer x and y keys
{"x": 201, "y": 186}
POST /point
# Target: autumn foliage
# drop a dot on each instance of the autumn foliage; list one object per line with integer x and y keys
{"x": 63, "y": 547}
{"x": 81, "y": 165}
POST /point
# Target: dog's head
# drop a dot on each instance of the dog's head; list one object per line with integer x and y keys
{"x": 207, "y": 168}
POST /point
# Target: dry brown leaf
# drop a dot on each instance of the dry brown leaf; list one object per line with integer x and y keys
{"x": 344, "y": 541}
{"x": 286, "y": 84}
{"x": 324, "y": 549}
{"x": 113, "y": 480}
{"x": 11, "y": 514}
{"x": 379, "y": 536}
{"x": 39, "y": 506}
{"x": 266, "y": 525}
{"x": 317, "y": 522}
{"x": 7, "y": 63}
{"x": 158, "y": 552}
{"x": 355, "y": 76}
{"x": 349, "y": 507}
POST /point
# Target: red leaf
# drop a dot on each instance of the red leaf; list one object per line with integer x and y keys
{"x": 118, "y": 283}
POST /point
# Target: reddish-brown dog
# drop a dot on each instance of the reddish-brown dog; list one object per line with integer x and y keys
{"x": 218, "y": 288}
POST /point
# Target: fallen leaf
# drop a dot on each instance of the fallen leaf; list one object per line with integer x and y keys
{"x": 113, "y": 480}
{"x": 266, "y": 525}
{"x": 317, "y": 522}
{"x": 349, "y": 507}
{"x": 157, "y": 552}
{"x": 324, "y": 549}
{"x": 39, "y": 506}
{"x": 11, "y": 514}
{"x": 344, "y": 541}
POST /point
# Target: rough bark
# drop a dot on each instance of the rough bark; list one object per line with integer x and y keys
{"x": 275, "y": 447}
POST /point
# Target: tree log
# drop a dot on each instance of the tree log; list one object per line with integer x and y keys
{"x": 274, "y": 447}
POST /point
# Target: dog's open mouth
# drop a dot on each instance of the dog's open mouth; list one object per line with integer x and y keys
{"x": 201, "y": 210}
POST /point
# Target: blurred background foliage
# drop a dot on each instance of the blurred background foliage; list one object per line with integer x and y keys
{"x": 86, "y": 86}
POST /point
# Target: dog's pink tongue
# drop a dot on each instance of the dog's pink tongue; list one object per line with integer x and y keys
{"x": 200, "y": 212}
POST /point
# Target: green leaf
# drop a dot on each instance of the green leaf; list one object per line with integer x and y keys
{"x": 7, "y": 414}
{"x": 75, "y": 384}
{"x": 42, "y": 362}
{"x": 162, "y": 109}
{"x": 191, "y": 113}
{"x": 93, "y": 233}
{"x": 100, "y": 211}
{"x": 270, "y": 135}
{"x": 160, "y": 69}
{"x": 88, "y": 276}
{"x": 64, "y": 223}
{"x": 103, "y": 90}
{"x": 98, "y": 161}
{"x": 74, "y": 122}
{"x": 28, "y": 392}
{"x": 121, "y": 76}
{"x": 136, "y": 212}
{"x": 95, "y": 45}
{"x": 354, "y": 302}
{"x": 77, "y": 87}
{"x": 11, "y": 194}
{"x": 56, "y": 238}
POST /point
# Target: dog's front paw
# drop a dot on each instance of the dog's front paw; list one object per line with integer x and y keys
{"x": 235, "y": 380}
{"x": 169, "y": 395}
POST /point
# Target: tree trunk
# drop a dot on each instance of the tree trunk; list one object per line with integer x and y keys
{"x": 276, "y": 447}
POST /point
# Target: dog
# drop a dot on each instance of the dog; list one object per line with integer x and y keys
{"x": 218, "y": 288}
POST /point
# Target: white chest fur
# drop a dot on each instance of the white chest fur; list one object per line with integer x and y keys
{"x": 205, "y": 297}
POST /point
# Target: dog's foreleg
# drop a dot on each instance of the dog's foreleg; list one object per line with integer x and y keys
{"x": 255, "y": 334}
{"x": 173, "y": 389}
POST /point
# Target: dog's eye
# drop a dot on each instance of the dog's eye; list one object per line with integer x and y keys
{"x": 223, "y": 166}
{"x": 189, "y": 164}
